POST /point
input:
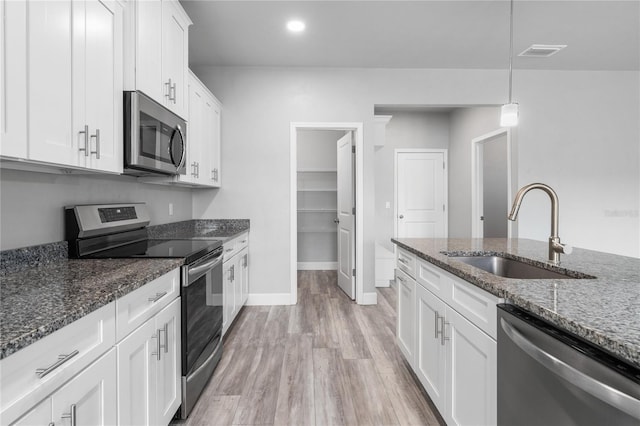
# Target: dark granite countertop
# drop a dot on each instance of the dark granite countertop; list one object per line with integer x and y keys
{"x": 200, "y": 229}
{"x": 604, "y": 310}
{"x": 44, "y": 296}
{"x": 41, "y": 290}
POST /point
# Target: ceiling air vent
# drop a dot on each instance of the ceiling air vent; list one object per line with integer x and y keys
{"x": 542, "y": 50}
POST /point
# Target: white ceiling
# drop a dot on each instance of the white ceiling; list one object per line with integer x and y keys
{"x": 601, "y": 35}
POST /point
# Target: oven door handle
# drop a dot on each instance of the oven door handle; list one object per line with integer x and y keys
{"x": 588, "y": 384}
{"x": 198, "y": 270}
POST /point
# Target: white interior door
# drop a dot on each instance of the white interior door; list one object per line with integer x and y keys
{"x": 421, "y": 189}
{"x": 346, "y": 222}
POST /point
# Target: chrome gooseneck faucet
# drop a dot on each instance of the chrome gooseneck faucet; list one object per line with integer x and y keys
{"x": 555, "y": 247}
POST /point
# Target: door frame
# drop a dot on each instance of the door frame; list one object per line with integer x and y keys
{"x": 445, "y": 183}
{"x": 357, "y": 128}
{"x": 476, "y": 180}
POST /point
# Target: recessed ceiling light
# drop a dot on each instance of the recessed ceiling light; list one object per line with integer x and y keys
{"x": 296, "y": 26}
{"x": 542, "y": 50}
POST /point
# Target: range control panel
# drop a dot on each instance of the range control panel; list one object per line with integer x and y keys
{"x": 115, "y": 214}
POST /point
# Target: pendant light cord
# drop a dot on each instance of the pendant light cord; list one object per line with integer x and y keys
{"x": 510, "y": 49}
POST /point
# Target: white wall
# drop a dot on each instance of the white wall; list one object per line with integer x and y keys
{"x": 407, "y": 129}
{"x": 317, "y": 149}
{"x": 580, "y": 133}
{"x": 31, "y": 204}
{"x": 466, "y": 124}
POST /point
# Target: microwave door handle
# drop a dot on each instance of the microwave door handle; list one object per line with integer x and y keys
{"x": 178, "y": 132}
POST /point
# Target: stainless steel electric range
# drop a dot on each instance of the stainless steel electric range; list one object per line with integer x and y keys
{"x": 119, "y": 231}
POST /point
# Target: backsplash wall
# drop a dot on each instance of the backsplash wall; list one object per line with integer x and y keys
{"x": 31, "y": 204}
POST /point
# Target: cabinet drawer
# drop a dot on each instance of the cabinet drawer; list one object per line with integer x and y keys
{"x": 138, "y": 306}
{"x": 80, "y": 343}
{"x": 407, "y": 262}
{"x": 475, "y": 304}
{"x": 433, "y": 279}
{"x": 234, "y": 246}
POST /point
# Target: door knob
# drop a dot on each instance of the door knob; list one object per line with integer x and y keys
{"x": 336, "y": 221}
{"x": 401, "y": 216}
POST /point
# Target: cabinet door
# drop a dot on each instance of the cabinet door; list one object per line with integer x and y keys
{"x": 213, "y": 142}
{"x": 50, "y": 82}
{"x": 406, "y": 315}
{"x": 471, "y": 373}
{"x": 90, "y": 397}
{"x": 430, "y": 351}
{"x": 40, "y": 415}
{"x": 194, "y": 130}
{"x": 103, "y": 84}
{"x": 148, "y": 54}
{"x": 168, "y": 390}
{"x": 13, "y": 79}
{"x": 137, "y": 376}
{"x": 245, "y": 276}
{"x": 228, "y": 294}
{"x": 175, "y": 36}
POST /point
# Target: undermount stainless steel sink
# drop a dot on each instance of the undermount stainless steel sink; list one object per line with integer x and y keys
{"x": 511, "y": 268}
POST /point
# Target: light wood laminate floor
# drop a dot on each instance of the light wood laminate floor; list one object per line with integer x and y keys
{"x": 324, "y": 361}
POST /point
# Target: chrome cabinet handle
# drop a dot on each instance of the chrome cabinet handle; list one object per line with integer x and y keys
{"x": 437, "y": 331}
{"x": 86, "y": 140}
{"x": 336, "y": 221}
{"x": 228, "y": 250}
{"x": 158, "y": 345}
{"x": 198, "y": 169}
{"x": 401, "y": 260}
{"x": 168, "y": 86}
{"x": 401, "y": 216}
{"x": 233, "y": 272}
{"x": 172, "y": 88}
{"x": 193, "y": 167}
{"x": 443, "y": 334}
{"x": 214, "y": 174}
{"x": 401, "y": 279}
{"x": 71, "y": 415}
{"x": 157, "y": 297}
{"x": 586, "y": 383}
{"x": 166, "y": 338}
{"x": 245, "y": 261}
{"x": 97, "y": 151}
{"x": 41, "y": 372}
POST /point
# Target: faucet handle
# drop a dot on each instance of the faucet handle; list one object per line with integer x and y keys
{"x": 558, "y": 247}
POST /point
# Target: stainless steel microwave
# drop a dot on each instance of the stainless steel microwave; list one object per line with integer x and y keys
{"x": 154, "y": 138}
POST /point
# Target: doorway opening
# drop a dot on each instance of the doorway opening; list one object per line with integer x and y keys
{"x": 492, "y": 185}
{"x": 326, "y": 203}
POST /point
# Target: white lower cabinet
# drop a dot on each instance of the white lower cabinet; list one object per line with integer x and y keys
{"x": 471, "y": 373}
{"x": 89, "y": 398}
{"x": 82, "y": 374}
{"x": 430, "y": 351}
{"x": 406, "y": 315}
{"x": 454, "y": 358}
{"x": 148, "y": 370}
{"x": 235, "y": 283}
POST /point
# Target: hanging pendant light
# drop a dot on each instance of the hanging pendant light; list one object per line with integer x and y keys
{"x": 509, "y": 111}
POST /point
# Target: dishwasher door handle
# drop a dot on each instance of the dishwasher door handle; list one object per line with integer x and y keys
{"x": 584, "y": 382}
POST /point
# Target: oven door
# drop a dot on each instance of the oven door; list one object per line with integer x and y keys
{"x": 201, "y": 311}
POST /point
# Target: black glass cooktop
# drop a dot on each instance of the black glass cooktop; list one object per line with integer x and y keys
{"x": 191, "y": 250}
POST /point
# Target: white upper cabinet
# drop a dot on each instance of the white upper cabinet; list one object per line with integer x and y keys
{"x": 63, "y": 81}
{"x": 203, "y": 136}
{"x": 157, "y": 52}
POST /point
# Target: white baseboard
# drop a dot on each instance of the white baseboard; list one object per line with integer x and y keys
{"x": 268, "y": 299}
{"x": 370, "y": 298}
{"x": 317, "y": 266}
{"x": 383, "y": 283}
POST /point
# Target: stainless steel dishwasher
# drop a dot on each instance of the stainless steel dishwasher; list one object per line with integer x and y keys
{"x": 547, "y": 376}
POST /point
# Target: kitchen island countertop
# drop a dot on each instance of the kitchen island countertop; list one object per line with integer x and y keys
{"x": 604, "y": 310}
